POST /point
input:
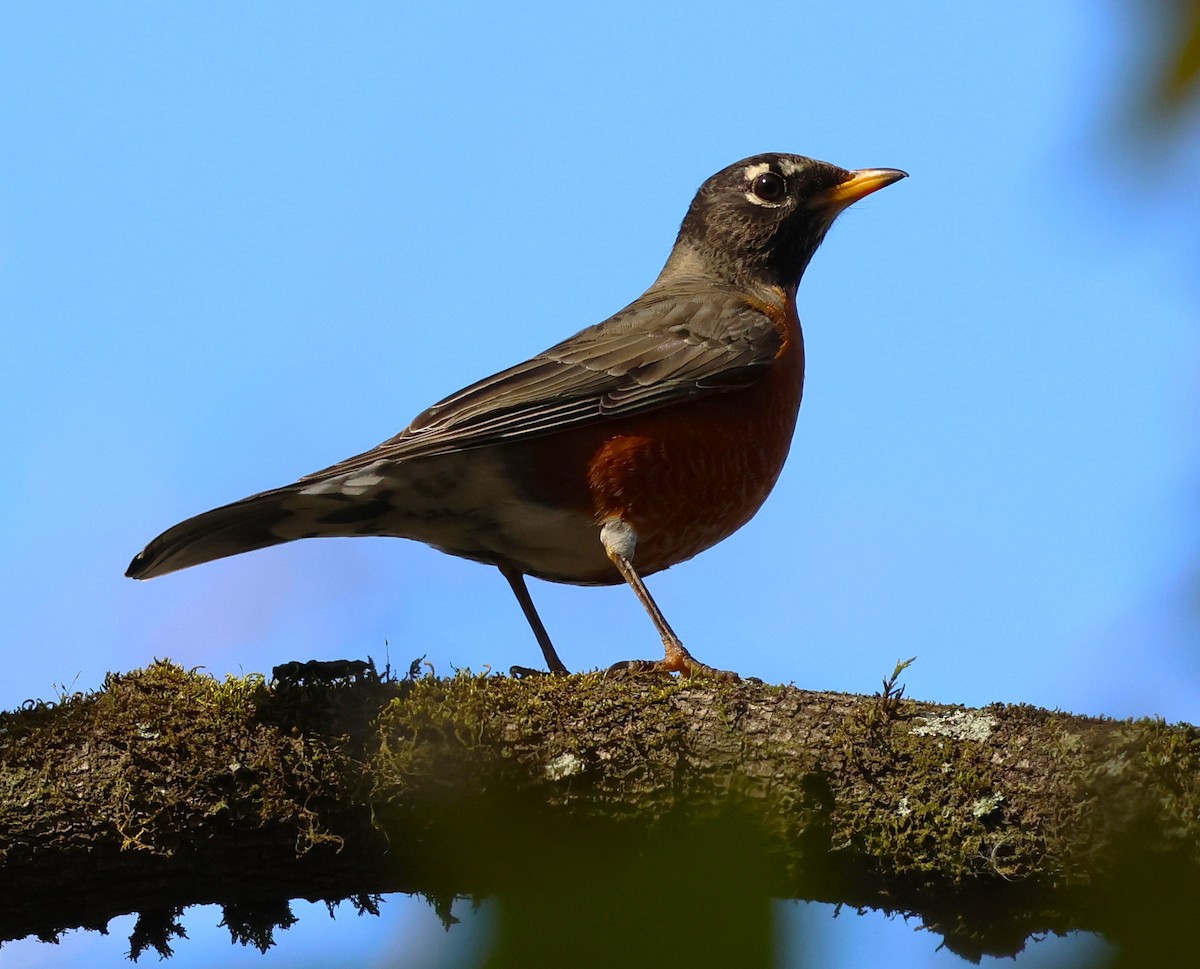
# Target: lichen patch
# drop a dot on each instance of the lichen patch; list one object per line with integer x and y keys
{"x": 957, "y": 724}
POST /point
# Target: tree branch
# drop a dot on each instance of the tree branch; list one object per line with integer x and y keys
{"x": 169, "y": 788}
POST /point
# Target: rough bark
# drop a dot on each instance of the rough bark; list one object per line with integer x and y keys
{"x": 169, "y": 788}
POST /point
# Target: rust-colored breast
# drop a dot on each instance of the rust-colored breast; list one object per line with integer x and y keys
{"x": 687, "y": 476}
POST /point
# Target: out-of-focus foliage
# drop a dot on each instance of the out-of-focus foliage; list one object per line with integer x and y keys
{"x": 1156, "y": 98}
{"x": 1174, "y": 79}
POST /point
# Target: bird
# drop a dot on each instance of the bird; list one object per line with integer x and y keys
{"x": 625, "y": 449}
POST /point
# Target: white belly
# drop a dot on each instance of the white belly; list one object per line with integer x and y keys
{"x": 463, "y": 504}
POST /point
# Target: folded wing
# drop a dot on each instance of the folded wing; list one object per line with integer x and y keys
{"x": 660, "y": 350}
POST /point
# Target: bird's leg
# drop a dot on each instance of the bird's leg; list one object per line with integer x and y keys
{"x": 620, "y": 541}
{"x": 516, "y": 579}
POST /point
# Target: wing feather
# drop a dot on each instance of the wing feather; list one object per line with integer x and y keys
{"x": 662, "y": 348}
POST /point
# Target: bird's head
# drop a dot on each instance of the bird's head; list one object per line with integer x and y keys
{"x": 761, "y": 219}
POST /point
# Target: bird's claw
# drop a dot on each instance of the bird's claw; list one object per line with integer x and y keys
{"x": 685, "y": 665}
{"x": 528, "y": 672}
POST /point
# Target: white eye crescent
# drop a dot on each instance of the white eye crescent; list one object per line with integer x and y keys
{"x": 766, "y": 187}
{"x": 770, "y": 187}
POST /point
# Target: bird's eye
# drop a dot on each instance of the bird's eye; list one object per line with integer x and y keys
{"x": 769, "y": 186}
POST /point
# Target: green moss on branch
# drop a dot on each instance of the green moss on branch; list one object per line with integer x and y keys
{"x": 168, "y": 787}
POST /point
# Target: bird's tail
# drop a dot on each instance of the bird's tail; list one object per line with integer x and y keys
{"x": 240, "y": 527}
{"x": 262, "y": 520}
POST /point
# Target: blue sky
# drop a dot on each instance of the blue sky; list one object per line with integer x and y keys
{"x": 239, "y": 243}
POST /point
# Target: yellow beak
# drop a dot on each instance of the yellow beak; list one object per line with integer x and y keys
{"x": 859, "y": 185}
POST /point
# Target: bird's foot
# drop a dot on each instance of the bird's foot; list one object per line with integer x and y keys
{"x": 676, "y": 660}
{"x": 525, "y": 672}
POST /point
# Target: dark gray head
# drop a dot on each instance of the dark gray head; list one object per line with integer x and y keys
{"x": 761, "y": 219}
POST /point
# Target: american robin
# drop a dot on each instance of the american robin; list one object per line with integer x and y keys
{"x": 629, "y": 447}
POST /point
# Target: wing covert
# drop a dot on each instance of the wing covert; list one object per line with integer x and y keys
{"x": 660, "y": 349}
